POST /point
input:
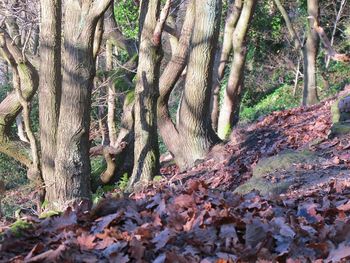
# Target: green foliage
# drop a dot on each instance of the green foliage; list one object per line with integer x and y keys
{"x": 276, "y": 25}
{"x": 123, "y": 182}
{"x": 11, "y": 172}
{"x": 162, "y": 147}
{"x": 302, "y": 6}
{"x": 102, "y": 190}
{"x": 280, "y": 99}
{"x": 98, "y": 166}
{"x": 126, "y": 15}
{"x": 34, "y": 115}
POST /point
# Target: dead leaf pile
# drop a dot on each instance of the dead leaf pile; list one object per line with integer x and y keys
{"x": 193, "y": 224}
{"x": 231, "y": 165}
{"x": 197, "y": 218}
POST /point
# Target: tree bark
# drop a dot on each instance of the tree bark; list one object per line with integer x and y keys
{"x": 27, "y": 77}
{"x": 72, "y": 163}
{"x": 119, "y": 157}
{"x": 310, "y": 51}
{"x": 194, "y": 127}
{"x": 231, "y": 21}
{"x": 146, "y": 150}
{"x": 229, "y": 112}
{"x": 111, "y": 100}
{"x": 49, "y": 89}
{"x": 113, "y": 34}
{"x": 297, "y": 43}
{"x": 20, "y": 128}
{"x": 168, "y": 79}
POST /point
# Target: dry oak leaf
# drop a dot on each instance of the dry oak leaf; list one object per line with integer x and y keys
{"x": 86, "y": 242}
{"x": 137, "y": 250}
{"x": 342, "y": 251}
{"x": 184, "y": 200}
{"x": 104, "y": 222}
{"x": 38, "y": 248}
{"x": 49, "y": 256}
{"x": 162, "y": 238}
{"x": 344, "y": 207}
{"x": 68, "y": 218}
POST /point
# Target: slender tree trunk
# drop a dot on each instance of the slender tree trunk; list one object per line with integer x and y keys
{"x": 119, "y": 151}
{"x": 146, "y": 150}
{"x": 291, "y": 30}
{"x": 111, "y": 120}
{"x": 34, "y": 172}
{"x": 231, "y": 21}
{"x": 228, "y": 114}
{"x": 310, "y": 51}
{"x": 20, "y": 128}
{"x": 49, "y": 89}
{"x": 120, "y": 157}
{"x": 168, "y": 79}
{"x": 26, "y": 79}
{"x": 11, "y": 23}
{"x": 72, "y": 163}
{"x": 339, "y": 12}
{"x": 113, "y": 33}
{"x": 194, "y": 127}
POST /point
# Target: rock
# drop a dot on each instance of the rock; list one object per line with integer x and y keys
{"x": 282, "y": 161}
{"x": 276, "y": 174}
{"x": 341, "y": 116}
{"x": 340, "y": 128}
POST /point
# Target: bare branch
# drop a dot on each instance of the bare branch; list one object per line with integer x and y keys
{"x": 157, "y": 35}
{"x": 99, "y": 7}
{"x": 327, "y": 44}
{"x": 292, "y": 32}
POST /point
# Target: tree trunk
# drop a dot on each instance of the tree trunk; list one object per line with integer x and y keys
{"x": 231, "y": 21}
{"x": 168, "y": 79}
{"x": 49, "y": 89}
{"x": 11, "y": 106}
{"x": 113, "y": 33}
{"x": 120, "y": 157}
{"x": 111, "y": 100}
{"x": 291, "y": 30}
{"x": 228, "y": 114}
{"x": 146, "y": 150}
{"x": 194, "y": 127}
{"x": 72, "y": 163}
{"x": 310, "y": 51}
{"x": 20, "y": 129}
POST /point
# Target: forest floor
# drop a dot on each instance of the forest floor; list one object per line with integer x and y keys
{"x": 211, "y": 213}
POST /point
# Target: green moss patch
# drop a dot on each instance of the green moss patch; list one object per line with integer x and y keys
{"x": 282, "y": 161}
{"x": 269, "y": 175}
{"x": 19, "y": 227}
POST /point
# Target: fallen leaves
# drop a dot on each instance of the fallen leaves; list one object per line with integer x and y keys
{"x": 341, "y": 252}
{"x": 215, "y": 227}
{"x": 202, "y": 220}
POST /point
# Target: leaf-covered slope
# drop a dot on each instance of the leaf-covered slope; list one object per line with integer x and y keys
{"x": 196, "y": 217}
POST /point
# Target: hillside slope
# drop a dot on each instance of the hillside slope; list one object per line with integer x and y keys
{"x": 196, "y": 217}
